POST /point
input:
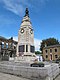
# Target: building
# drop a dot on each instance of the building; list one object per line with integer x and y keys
{"x": 7, "y": 48}
{"x": 51, "y": 52}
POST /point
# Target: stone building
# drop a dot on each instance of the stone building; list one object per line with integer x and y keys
{"x": 51, "y": 52}
{"x": 7, "y": 48}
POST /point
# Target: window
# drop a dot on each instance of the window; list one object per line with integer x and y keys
{"x": 2, "y": 44}
{"x": 26, "y": 48}
{"x": 55, "y": 50}
{"x": 56, "y": 56}
{"x": 6, "y": 45}
{"x": 46, "y": 56}
{"x": 21, "y": 48}
{"x": 32, "y": 49}
{"x": 50, "y": 50}
{"x": 46, "y": 51}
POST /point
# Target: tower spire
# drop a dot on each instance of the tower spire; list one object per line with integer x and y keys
{"x": 26, "y": 12}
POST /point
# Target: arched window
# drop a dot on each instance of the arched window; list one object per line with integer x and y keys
{"x": 50, "y": 50}
{"x": 55, "y": 50}
{"x": 46, "y": 56}
{"x": 56, "y": 56}
{"x": 46, "y": 51}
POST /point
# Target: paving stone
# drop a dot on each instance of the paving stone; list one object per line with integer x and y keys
{"x": 4, "y": 76}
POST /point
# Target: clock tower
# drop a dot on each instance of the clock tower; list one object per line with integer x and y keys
{"x": 26, "y": 37}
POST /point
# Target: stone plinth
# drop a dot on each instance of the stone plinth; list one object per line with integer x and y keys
{"x": 49, "y": 72}
{"x": 26, "y": 58}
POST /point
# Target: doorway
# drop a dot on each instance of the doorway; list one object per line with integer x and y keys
{"x": 51, "y": 57}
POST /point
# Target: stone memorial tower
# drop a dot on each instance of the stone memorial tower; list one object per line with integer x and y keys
{"x": 26, "y": 37}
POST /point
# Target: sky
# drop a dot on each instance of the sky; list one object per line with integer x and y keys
{"x": 44, "y": 15}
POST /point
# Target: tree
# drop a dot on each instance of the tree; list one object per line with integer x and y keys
{"x": 37, "y": 52}
{"x": 48, "y": 42}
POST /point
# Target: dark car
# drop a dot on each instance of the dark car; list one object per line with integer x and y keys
{"x": 37, "y": 64}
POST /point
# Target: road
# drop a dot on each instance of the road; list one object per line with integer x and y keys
{"x": 4, "y": 76}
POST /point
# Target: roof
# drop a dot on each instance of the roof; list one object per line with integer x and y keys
{"x": 5, "y": 39}
{"x": 52, "y": 46}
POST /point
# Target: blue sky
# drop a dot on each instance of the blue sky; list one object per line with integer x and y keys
{"x": 44, "y": 15}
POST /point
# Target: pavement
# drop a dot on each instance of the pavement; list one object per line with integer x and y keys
{"x": 4, "y": 76}
{"x": 58, "y": 78}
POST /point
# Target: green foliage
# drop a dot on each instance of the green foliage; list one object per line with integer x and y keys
{"x": 37, "y": 52}
{"x": 48, "y": 42}
{"x": 37, "y": 64}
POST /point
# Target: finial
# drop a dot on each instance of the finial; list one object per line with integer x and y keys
{"x": 26, "y": 12}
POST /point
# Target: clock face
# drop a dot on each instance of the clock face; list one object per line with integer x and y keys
{"x": 22, "y": 30}
{"x": 31, "y": 31}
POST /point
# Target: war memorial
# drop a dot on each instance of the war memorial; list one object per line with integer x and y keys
{"x": 25, "y": 47}
{"x": 20, "y": 66}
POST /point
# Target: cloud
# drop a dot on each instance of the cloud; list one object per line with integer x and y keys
{"x": 37, "y": 42}
{"x": 13, "y": 6}
{"x": 18, "y": 6}
{"x": 15, "y": 38}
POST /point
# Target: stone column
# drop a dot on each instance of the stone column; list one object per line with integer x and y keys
{"x": 29, "y": 48}
{"x": 25, "y": 48}
{"x": 8, "y": 45}
{"x": 4, "y": 44}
